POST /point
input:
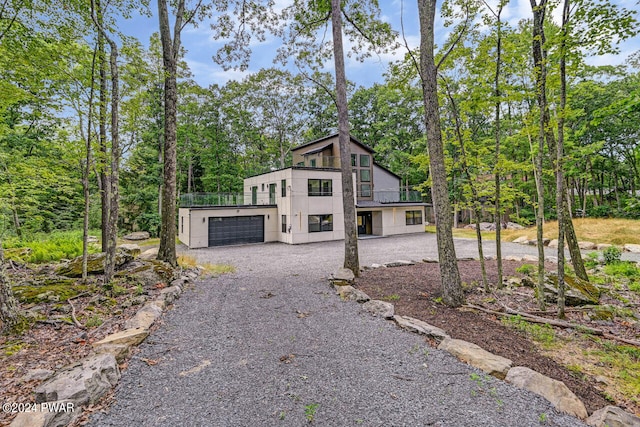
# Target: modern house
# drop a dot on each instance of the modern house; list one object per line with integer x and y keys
{"x": 303, "y": 203}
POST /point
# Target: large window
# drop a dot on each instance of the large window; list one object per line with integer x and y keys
{"x": 318, "y": 223}
{"x": 283, "y": 189}
{"x": 364, "y": 160}
{"x": 413, "y": 217}
{"x": 365, "y": 190}
{"x": 365, "y": 175}
{"x": 320, "y": 187}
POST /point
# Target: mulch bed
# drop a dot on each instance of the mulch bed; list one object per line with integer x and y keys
{"x": 414, "y": 291}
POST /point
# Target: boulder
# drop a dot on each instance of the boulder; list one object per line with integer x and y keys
{"x": 149, "y": 272}
{"x": 379, "y": 308}
{"x": 514, "y": 226}
{"x": 632, "y": 248}
{"x": 144, "y": 318}
{"x": 37, "y": 375}
{"x": 553, "y": 244}
{"x": 171, "y": 294}
{"x": 128, "y": 337}
{"x": 399, "y": 263}
{"x": 521, "y": 239}
{"x": 119, "y": 351}
{"x": 577, "y": 291}
{"x": 137, "y": 235}
{"x": 512, "y": 258}
{"x": 130, "y": 248}
{"x": 81, "y": 383}
{"x": 349, "y": 293}
{"x": 476, "y": 356}
{"x": 51, "y": 414}
{"x": 342, "y": 277}
{"x": 612, "y": 416}
{"x": 95, "y": 263}
{"x": 420, "y": 327}
{"x": 149, "y": 254}
{"x": 586, "y": 246}
{"x": 554, "y": 391}
{"x": 530, "y": 258}
{"x": 603, "y": 246}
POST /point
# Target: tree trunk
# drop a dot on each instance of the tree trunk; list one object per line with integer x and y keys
{"x": 351, "y": 259}
{"x": 451, "y": 285}
{"x": 497, "y": 168}
{"x": 540, "y": 77}
{"x": 113, "y": 176}
{"x": 8, "y": 305}
{"x": 102, "y": 118}
{"x": 170, "y": 52}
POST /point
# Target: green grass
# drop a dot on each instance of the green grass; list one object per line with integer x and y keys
{"x": 622, "y": 268}
{"x": 41, "y": 248}
{"x": 543, "y": 334}
{"x": 623, "y": 362}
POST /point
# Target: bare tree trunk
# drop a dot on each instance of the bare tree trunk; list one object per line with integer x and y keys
{"x": 112, "y": 223}
{"x": 103, "y": 177}
{"x": 170, "y": 52}
{"x": 351, "y": 259}
{"x": 497, "y": 168}
{"x": 451, "y": 284}
{"x": 540, "y": 77}
{"x": 8, "y": 305}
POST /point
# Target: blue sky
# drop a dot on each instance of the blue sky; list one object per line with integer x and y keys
{"x": 201, "y": 46}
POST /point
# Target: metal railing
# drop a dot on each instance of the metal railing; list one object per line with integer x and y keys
{"x": 213, "y": 199}
{"x": 392, "y": 196}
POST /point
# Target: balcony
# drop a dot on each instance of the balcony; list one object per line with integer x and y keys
{"x": 331, "y": 162}
{"x": 212, "y": 199}
{"x": 392, "y": 196}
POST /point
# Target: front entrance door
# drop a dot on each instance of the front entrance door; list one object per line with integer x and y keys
{"x": 364, "y": 223}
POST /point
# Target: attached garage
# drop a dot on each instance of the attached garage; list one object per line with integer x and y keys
{"x": 235, "y": 230}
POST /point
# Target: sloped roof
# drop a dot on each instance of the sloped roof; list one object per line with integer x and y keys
{"x": 353, "y": 139}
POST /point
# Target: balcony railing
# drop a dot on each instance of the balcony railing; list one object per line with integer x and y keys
{"x": 392, "y": 196}
{"x": 320, "y": 162}
{"x": 213, "y": 199}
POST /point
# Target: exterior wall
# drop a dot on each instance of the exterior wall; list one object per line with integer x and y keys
{"x": 199, "y": 222}
{"x": 386, "y": 186}
{"x": 283, "y": 203}
{"x": 334, "y": 151}
{"x": 303, "y": 205}
{"x": 388, "y": 221}
{"x": 184, "y": 224}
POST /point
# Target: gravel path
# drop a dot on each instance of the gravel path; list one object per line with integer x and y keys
{"x": 273, "y": 345}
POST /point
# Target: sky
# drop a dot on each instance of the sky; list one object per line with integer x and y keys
{"x": 201, "y": 46}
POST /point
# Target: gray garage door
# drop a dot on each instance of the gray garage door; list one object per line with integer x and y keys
{"x": 236, "y": 230}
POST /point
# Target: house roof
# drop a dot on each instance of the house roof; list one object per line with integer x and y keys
{"x": 353, "y": 139}
{"x": 317, "y": 150}
{"x": 386, "y": 170}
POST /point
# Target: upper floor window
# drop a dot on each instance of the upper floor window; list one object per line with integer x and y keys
{"x": 365, "y": 175}
{"x": 364, "y": 160}
{"x": 313, "y": 163}
{"x": 283, "y": 188}
{"x": 354, "y": 160}
{"x": 320, "y": 187}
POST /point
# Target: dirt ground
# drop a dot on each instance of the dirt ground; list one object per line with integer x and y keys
{"x": 415, "y": 292}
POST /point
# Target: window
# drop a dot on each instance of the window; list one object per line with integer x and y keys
{"x": 182, "y": 224}
{"x": 413, "y": 217}
{"x": 254, "y": 195}
{"x": 313, "y": 163}
{"x": 354, "y": 160}
{"x": 364, "y": 160}
{"x": 283, "y": 189}
{"x": 365, "y": 175}
{"x": 318, "y": 223}
{"x": 365, "y": 190}
{"x": 284, "y": 224}
{"x": 263, "y": 186}
{"x": 320, "y": 187}
{"x": 272, "y": 194}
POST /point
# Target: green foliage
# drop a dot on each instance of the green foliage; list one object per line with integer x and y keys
{"x": 526, "y": 269}
{"x": 612, "y": 255}
{"x": 622, "y": 268}
{"x": 543, "y": 334}
{"x": 310, "y": 411}
{"x": 44, "y": 247}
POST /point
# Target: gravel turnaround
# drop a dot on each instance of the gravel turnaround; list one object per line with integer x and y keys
{"x": 272, "y": 345}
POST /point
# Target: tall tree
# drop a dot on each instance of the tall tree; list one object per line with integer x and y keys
{"x": 8, "y": 306}
{"x": 115, "y": 152}
{"x": 170, "y": 53}
{"x": 451, "y": 284}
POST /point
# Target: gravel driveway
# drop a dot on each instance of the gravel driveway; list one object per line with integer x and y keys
{"x": 272, "y": 345}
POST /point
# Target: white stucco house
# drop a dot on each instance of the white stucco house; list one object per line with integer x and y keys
{"x": 303, "y": 203}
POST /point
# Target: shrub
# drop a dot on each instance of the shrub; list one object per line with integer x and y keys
{"x": 612, "y": 255}
{"x": 526, "y": 269}
{"x": 602, "y": 211}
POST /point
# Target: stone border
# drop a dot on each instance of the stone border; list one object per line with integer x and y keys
{"x": 556, "y": 392}
{"x": 61, "y": 398}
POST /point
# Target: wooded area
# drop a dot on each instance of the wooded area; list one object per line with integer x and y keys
{"x": 81, "y": 102}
